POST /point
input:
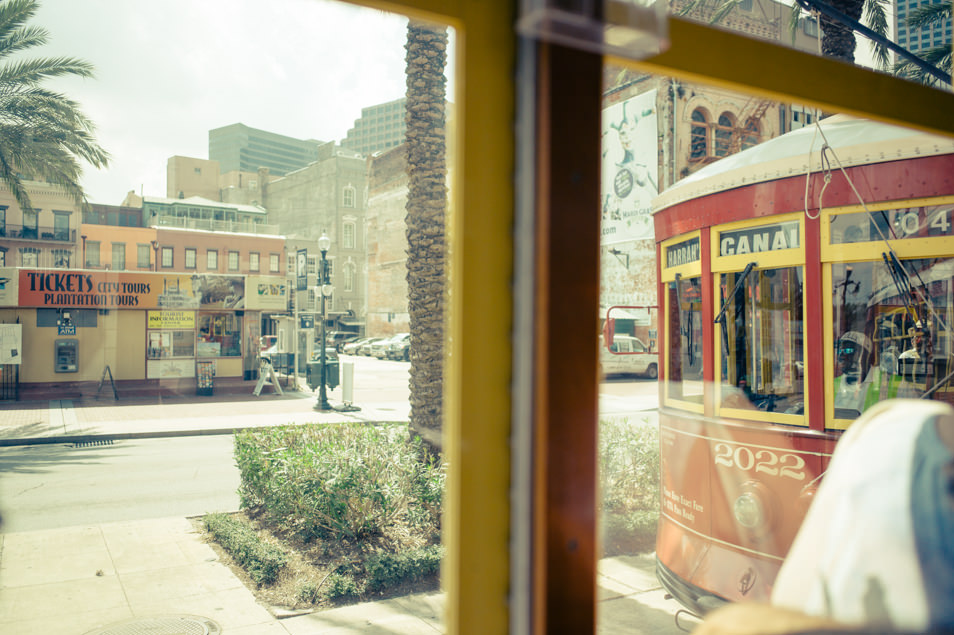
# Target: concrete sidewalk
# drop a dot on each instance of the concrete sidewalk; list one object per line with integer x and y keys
{"x": 122, "y": 578}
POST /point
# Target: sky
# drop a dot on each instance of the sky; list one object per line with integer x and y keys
{"x": 168, "y": 72}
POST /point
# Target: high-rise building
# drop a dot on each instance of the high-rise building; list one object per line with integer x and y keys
{"x": 240, "y": 148}
{"x": 380, "y": 127}
{"x": 918, "y": 40}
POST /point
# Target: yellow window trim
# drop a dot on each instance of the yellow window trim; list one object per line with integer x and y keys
{"x": 688, "y": 270}
{"x": 764, "y": 259}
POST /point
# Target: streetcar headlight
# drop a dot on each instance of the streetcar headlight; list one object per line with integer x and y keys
{"x": 749, "y": 510}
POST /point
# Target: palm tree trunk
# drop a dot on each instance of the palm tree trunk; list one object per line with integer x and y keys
{"x": 426, "y": 202}
{"x": 838, "y": 40}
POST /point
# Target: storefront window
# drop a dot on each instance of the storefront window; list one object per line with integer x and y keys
{"x": 685, "y": 341}
{"x": 220, "y": 335}
{"x": 170, "y": 343}
{"x": 892, "y": 331}
{"x": 760, "y": 330}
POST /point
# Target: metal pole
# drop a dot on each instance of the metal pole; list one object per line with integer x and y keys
{"x": 322, "y": 393}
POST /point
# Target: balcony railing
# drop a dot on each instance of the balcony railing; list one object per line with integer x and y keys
{"x": 41, "y": 233}
{"x": 217, "y": 225}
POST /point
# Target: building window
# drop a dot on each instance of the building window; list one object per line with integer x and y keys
{"x": 220, "y": 335}
{"x": 349, "y": 277}
{"x": 810, "y": 26}
{"x": 751, "y": 135}
{"x": 212, "y": 260}
{"x": 233, "y": 261}
{"x": 347, "y": 235}
{"x": 253, "y": 259}
{"x": 142, "y": 256}
{"x": 61, "y": 226}
{"x": 723, "y": 134}
{"x": 118, "y": 260}
{"x": 699, "y": 136}
{"x": 62, "y": 258}
{"x": 348, "y": 196}
{"x": 273, "y": 263}
{"x": 29, "y": 257}
{"x": 167, "y": 259}
{"x": 3, "y": 256}
{"x": 190, "y": 258}
{"x": 29, "y": 224}
{"x": 92, "y": 253}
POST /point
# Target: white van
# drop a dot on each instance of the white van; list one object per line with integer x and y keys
{"x": 628, "y": 355}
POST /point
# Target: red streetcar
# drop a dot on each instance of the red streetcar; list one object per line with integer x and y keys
{"x": 800, "y": 282}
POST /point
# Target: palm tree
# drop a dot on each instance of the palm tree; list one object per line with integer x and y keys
{"x": 426, "y": 201}
{"x": 923, "y": 17}
{"x": 43, "y": 134}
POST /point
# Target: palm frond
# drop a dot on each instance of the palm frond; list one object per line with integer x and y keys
{"x": 875, "y": 12}
{"x": 42, "y": 133}
{"x": 938, "y": 56}
{"x": 928, "y": 15}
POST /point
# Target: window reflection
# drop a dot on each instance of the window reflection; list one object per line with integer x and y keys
{"x": 685, "y": 351}
{"x": 892, "y": 332}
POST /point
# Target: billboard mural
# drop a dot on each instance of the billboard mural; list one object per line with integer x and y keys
{"x": 630, "y": 168}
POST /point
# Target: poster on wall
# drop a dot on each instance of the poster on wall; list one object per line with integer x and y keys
{"x": 8, "y": 286}
{"x": 11, "y": 343}
{"x": 267, "y": 293}
{"x": 630, "y": 169}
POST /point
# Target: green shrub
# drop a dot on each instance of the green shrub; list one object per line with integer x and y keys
{"x": 386, "y": 569}
{"x": 347, "y": 480}
{"x": 628, "y": 466}
{"x": 340, "y": 586}
{"x": 262, "y": 561}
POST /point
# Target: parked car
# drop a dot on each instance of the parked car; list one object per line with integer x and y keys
{"x": 380, "y": 349}
{"x": 338, "y": 338}
{"x": 628, "y": 355}
{"x": 365, "y": 349}
{"x": 351, "y": 348}
{"x": 399, "y": 347}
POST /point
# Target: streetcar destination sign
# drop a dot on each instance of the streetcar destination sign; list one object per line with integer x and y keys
{"x": 682, "y": 253}
{"x": 758, "y": 239}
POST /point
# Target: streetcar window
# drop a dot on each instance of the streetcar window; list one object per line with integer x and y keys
{"x": 908, "y": 222}
{"x": 685, "y": 341}
{"x": 891, "y": 332}
{"x": 761, "y": 338}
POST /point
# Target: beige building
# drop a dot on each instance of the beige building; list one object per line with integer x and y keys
{"x": 44, "y": 237}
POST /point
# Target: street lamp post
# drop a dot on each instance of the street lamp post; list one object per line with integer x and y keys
{"x": 155, "y": 255}
{"x": 324, "y": 286}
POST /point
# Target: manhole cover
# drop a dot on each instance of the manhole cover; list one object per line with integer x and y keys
{"x": 163, "y": 625}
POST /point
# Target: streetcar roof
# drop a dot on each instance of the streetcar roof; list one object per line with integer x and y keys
{"x": 853, "y": 141}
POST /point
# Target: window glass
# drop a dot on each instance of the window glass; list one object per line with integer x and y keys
{"x": 723, "y": 135}
{"x": 685, "y": 341}
{"x": 119, "y": 256}
{"x": 212, "y": 260}
{"x": 908, "y": 222}
{"x": 61, "y": 226}
{"x": 347, "y": 235}
{"x": 167, "y": 259}
{"x": 273, "y": 263}
{"x": 892, "y": 331}
{"x": 92, "y": 253}
{"x": 170, "y": 343}
{"x": 253, "y": 263}
{"x": 699, "y": 136}
{"x": 220, "y": 335}
{"x": 760, "y": 332}
{"x": 190, "y": 258}
{"x": 233, "y": 261}
{"x": 142, "y": 256}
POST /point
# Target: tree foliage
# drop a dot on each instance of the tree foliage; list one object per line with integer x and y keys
{"x": 925, "y": 17}
{"x": 43, "y": 134}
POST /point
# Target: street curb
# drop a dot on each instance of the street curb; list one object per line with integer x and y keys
{"x": 154, "y": 434}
